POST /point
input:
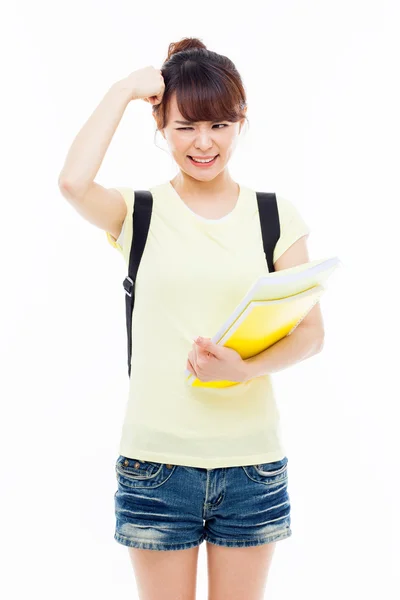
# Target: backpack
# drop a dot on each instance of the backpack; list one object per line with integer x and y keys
{"x": 143, "y": 204}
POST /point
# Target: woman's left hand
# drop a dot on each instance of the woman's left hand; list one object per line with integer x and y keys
{"x": 210, "y": 362}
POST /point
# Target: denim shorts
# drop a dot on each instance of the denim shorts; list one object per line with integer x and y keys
{"x": 172, "y": 507}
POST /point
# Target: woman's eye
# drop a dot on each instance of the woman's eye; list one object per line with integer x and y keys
{"x": 217, "y": 125}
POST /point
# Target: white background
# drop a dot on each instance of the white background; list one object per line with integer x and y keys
{"x": 322, "y": 85}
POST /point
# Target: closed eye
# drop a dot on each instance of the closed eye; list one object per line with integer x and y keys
{"x": 217, "y": 125}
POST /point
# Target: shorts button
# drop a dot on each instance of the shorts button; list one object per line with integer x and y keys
{"x": 126, "y": 462}
{"x": 136, "y": 465}
{"x": 169, "y": 466}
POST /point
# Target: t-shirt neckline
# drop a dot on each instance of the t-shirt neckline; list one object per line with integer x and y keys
{"x": 190, "y": 212}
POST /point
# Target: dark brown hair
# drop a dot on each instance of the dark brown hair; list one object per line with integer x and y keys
{"x": 208, "y": 86}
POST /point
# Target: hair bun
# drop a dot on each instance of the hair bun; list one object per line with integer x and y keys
{"x": 184, "y": 44}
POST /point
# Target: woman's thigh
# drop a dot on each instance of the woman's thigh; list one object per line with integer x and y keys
{"x": 238, "y": 573}
{"x": 165, "y": 575}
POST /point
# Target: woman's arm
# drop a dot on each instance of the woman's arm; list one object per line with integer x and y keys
{"x": 303, "y": 343}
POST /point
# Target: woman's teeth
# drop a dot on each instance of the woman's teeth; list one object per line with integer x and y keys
{"x": 203, "y": 162}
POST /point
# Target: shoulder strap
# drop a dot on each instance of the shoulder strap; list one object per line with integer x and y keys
{"x": 141, "y": 217}
{"x": 270, "y": 225}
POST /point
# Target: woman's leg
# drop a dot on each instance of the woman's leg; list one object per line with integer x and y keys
{"x": 165, "y": 574}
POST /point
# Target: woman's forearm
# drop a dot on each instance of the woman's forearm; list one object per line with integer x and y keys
{"x": 303, "y": 343}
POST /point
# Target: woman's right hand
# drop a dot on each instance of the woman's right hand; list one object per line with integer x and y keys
{"x": 147, "y": 84}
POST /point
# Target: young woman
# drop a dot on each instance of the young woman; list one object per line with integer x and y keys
{"x": 195, "y": 463}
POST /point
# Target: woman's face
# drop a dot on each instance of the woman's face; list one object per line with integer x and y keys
{"x": 200, "y": 140}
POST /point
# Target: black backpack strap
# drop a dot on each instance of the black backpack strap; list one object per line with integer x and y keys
{"x": 270, "y": 225}
{"x": 141, "y": 216}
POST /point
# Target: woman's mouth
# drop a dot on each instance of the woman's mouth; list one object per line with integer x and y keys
{"x": 203, "y": 164}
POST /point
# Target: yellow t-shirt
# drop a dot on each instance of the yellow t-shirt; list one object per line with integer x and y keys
{"x": 193, "y": 273}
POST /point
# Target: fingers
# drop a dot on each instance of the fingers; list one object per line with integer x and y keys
{"x": 194, "y": 356}
{"x": 199, "y": 353}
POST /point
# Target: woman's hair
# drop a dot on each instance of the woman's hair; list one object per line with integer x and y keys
{"x": 208, "y": 86}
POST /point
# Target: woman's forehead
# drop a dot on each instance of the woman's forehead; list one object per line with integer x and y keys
{"x": 173, "y": 108}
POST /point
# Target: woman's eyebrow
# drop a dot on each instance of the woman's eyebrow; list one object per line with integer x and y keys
{"x": 192, "y": 122}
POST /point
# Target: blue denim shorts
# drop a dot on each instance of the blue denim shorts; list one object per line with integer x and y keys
{"x": 172, "y": 507}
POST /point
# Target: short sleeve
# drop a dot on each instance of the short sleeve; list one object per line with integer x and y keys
{"x": 292, "y": 225}
{"x": 123, "y": 243}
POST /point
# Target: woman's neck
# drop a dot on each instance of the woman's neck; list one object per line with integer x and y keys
{"x": 219, "y": 187}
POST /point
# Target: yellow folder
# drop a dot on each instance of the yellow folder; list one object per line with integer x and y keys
{"x": 272, "y": 309}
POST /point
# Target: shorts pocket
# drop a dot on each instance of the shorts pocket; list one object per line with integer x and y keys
{"x": 134, "y": 472}
{"x": 268, "y": 473}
